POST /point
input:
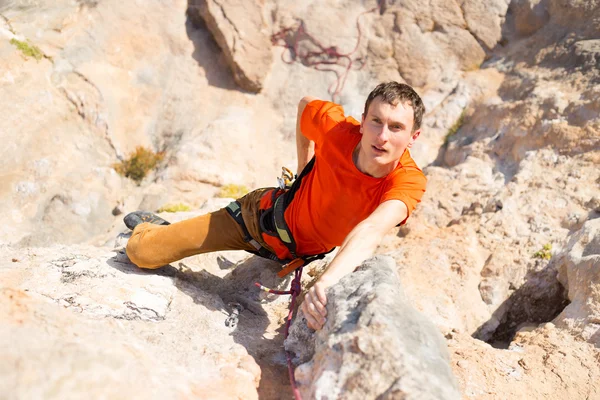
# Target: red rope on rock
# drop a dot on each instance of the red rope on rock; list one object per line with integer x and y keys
{"x": 295, "y": 290}
{"x": 325, "y": 58}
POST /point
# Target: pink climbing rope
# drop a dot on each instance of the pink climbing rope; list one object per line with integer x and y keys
{"x": 325, "y": 58}
{"x": 295, "y": 290}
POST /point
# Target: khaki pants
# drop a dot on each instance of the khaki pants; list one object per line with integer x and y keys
{"x": 152, "y": 246}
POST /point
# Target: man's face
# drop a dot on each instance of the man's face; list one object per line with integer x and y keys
{"x": 387, "y": 132}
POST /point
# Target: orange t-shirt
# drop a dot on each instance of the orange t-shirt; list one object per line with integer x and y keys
{"x": 335, "y": 196}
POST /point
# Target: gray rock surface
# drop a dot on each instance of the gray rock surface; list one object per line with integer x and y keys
{"x": 375, "y": 345}
{"x": 238, "y": 28}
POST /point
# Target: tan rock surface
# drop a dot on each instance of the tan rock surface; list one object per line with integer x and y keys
{"x": 69, "y": 338}
{"x": 545, "y": 363}
{"x": 113, "y": 323}
{"x": 517, "y": 172}
{"x": 238, "y": 28}
{"x": 579, "y": 272}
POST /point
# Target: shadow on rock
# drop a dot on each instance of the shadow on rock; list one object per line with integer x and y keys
{"x": 206, "y": 51}
{"x": 224, "y": 295}
{"x": 540, "y": 299}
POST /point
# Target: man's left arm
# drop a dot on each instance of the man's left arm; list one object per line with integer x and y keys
{"x": 359, "y": 245}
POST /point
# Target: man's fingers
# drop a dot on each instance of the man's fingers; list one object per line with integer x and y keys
{"x": 314, "y": 318}
{"x": 310, "y": 320}
{"x": 315, "y": 313}
{"x": 320, "y": 308}
{"x": 312, "y": 293}
{"x": 321, "y": 294}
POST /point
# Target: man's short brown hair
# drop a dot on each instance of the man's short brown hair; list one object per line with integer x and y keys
{"x": 394, "y": 93}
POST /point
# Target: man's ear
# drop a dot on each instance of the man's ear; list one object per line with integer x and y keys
{"x": 414, "y": 137}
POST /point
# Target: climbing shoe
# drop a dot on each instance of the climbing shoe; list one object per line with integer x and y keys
{"x": 137, "y": 217}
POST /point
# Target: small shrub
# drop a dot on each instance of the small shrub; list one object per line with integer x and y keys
{"x": 28, "y": 49}
{"x": 138, "y": 164}
{"x": 545, "y": 253}
{"x": 233, "y": 191}
{"x": 172, "y": 208}
{"x": 455, "y": 127}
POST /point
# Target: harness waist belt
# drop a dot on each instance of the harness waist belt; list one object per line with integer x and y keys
{"x": 235, "y": 210}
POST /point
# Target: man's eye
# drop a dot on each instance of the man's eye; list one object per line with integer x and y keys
{"x": 377, "y": 120}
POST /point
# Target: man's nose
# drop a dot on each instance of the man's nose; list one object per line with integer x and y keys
{"x": 383, "y": 133}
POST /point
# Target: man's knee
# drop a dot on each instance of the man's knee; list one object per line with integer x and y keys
{"x": 138, "y": 255}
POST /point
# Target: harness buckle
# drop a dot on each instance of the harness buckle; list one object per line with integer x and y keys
{"x": 291, "y": 267}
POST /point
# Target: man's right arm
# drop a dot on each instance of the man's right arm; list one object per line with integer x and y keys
{"x": 304, "y": 146}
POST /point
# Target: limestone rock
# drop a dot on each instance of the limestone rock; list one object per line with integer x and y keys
{"x": 579, "y": 272}
{"x": 425, "y": 31}
{"x": 533, "y": 367}
{"x": 50, "y": 352}
{"x": 588, "y": 52}
{"x": 374, "y": 344}
{"x": 114, "y": 76}
{"x": 110, "y": 329}
{"x": 238, "y": 29}
{"x": 530, "y": 15}
{"x": 484, "y": 19}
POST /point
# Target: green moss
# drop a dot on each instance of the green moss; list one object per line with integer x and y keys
{"x": 455, "y": 127}
{"x": 28, "y": 49}
{"x": 233, "y": 191}
{"x": 172, "y": 208}
{"x": 138, "y": 163}
{"x": 545, "y": 253}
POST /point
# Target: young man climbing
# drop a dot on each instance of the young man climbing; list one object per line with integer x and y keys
{"x": 356, "y": 182}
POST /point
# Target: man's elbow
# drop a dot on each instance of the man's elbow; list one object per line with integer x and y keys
{"x": 304, "y": 102}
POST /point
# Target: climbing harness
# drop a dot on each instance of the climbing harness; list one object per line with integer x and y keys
{"x": 235, "y": 210}
{"x": 272, "y": 223}
{"x": 324, "y": 58}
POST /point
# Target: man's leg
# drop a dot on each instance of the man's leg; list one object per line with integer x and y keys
{"x": 152, "y": 246}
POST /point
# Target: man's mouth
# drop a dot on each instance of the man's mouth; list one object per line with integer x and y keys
{"x": 378, "y": 149}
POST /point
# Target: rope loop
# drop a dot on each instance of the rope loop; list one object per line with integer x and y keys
{"x": 291, "y": 37}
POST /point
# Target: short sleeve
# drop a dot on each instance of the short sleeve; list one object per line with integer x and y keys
{"x": 319, "y": 117}
{"x": 407, "y": 186}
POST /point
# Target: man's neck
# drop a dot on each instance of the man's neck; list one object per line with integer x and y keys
{"x": 372, "y": 169}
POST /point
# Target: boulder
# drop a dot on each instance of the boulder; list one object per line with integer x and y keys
{"x": 530, "y": 15}
{"x": 373, "y": 345}
{"x": 579, "y": 272}
{"x": 239, "y": 30}
{"x": 82, "y": 321}
{"x": 484, "y": 19}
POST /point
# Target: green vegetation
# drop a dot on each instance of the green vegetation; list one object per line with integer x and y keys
{"x": 545, "y": 253}
{"x": 455, "y": 127}
{"x": 233, "y": 191}
{"x": 138, "y": 164}
{"x": 172, "y": 208}
{"x": 28, "y": 49}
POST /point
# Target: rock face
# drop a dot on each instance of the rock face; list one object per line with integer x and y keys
{"x": 579, "y": 272}
{"x": 502, "y": 246}
{"x": 375, "y": 345}
{"x": 238, "y": 28}
{"x": 81, "y": 322}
